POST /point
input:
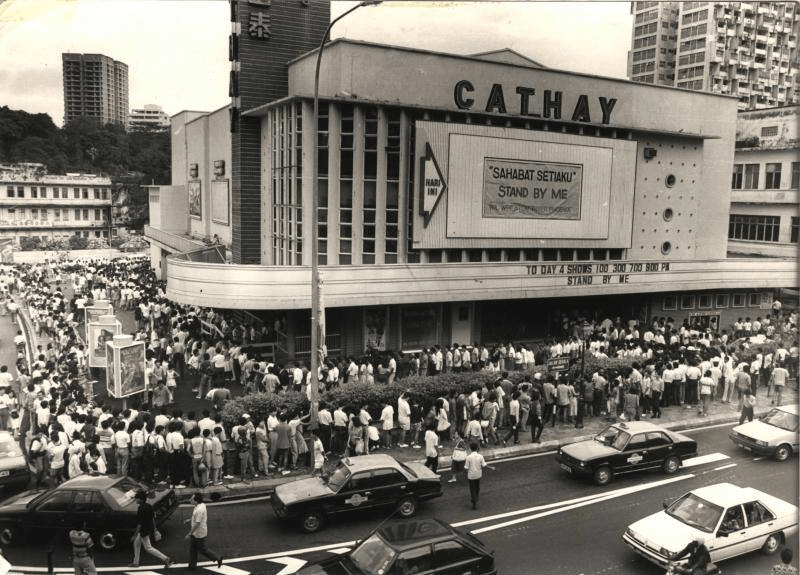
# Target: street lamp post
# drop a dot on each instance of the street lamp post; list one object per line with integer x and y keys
{"x": 317, "y": 310}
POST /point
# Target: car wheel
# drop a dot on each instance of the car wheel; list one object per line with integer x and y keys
{"x": 783, "y": 452}
{"x": 671, "y": 465}
{"x": 772, "y": 543}
{"x": 9, "y": 535}
{"x": 311, "y": 522}
{"x": 107, "y": 540}
{"x": 407, "y": 507}
{"x": 602, "y": 475}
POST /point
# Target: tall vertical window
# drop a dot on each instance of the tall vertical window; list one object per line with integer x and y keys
{"x": 76, "y": 193}
{"x": 392, "y": 185}
{"x": 85, "y": 193}
{"x": 755, "y": 228}
{"x": 738, "y": 173}
{"x": 43, "y": 214}
{"x": 97, "y": 215}
{"x": 43, "y": 192}
{"x": 370, "y": 185}
{"x": 10, "y": 191}
{"x": 286, "y": 184}
{"x": 77, "y": 214}
{"x": 20, "y": 192}
{"x": 322, "y": 183}
{"x": 96, "y": 193}
{"x": 34, "y": 192}
{"x": 34, "y": 214}
{"x": 795, "y": 229}
{"x": 773, "y": 173}
{"x": 346, "y": 186}
{"x": 751, "y": 176}
{"x": 795, "y": 175}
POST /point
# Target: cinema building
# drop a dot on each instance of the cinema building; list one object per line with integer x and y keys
{"x": 465, "y": 198}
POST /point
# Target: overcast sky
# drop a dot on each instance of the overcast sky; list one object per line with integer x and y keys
{"x": 177, "y": 50}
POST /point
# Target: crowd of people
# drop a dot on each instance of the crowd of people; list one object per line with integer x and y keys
{"x": 68, "y": 431}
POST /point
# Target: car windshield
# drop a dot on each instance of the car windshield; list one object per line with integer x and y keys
{"x": 613, "y": 436}
{"x": 9, "y": 449}
{"x": 373, "y": 556}
{"x": 781, "y": 419}
{"x": 339, "y": 478}
{"x": 695, "y": 512}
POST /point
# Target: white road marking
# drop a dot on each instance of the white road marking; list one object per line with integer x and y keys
{"x": 292, "y": 565}
{"x": 725, "y": 466}
{"x": 729, "y": 424}
{"x": 709, "y": 458}
{"x": 758, "y": 458}
{"x": 231, "y": 502}
{"x": 605, "y": 497}
{"x": 228, "y": 570}
{"x": 340, "y": 550}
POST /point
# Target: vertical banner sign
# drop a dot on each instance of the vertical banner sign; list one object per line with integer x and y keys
{"x": 7, "y": 250}
{"x": 531, "y": 190}
{"x": 375, "y": 320}
{"x": 433, "y": 185}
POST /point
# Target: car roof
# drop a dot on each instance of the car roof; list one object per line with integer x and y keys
{"x": 788, "y": 408}
{"x": 85, "y": 481}
{"x": 402, "y": 534}
{"x": 638, "y": 426}
{"x": 365, "y": 462}
{"x": 726, "y": 494}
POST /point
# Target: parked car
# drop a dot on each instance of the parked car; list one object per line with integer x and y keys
{"x": 358, "y": 484}
{"x": 104, "y": 503}
{"x": 626, "y": 448}
{"x": 14, "y": 472}
{"x": 729, "y": 519}
{"x": 774, "y": 434}
{"x": 427, "y": 546}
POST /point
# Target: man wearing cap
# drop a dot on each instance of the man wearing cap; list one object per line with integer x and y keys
{"x": 82, "y": 560}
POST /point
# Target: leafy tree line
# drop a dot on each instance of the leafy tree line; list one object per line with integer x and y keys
{"x": 84, "y": 145}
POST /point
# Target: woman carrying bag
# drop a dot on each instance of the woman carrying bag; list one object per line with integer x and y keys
{"x": 457, "y": 460}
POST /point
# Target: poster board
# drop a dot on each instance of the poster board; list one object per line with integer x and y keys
{"x": 97, "y": 336}
{"x": 125, "y": 373}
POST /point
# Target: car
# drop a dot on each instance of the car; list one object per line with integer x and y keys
{"x": 625, "y": 448}
{"x": 105, "y": 504}
{"x": 14, "y": 471}
{"x": 729, "y": 519}
{"x": 357, "y": 484}
{"x": 774, "y": 434}
{"x": 427, "y": 546}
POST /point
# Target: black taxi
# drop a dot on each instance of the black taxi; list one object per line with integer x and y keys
{"x": 626, "y": 448}
{"x": 359, "y": 484}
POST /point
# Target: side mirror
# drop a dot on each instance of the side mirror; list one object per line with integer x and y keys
{"x": 723, "y": 532}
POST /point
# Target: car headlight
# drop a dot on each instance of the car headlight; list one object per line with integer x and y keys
{"x": 762, "y": 443}
{"x": 582, "y": 463}
{"x": 664, "y": 551}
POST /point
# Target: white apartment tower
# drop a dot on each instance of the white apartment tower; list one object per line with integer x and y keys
{"x": 745, "y": 49}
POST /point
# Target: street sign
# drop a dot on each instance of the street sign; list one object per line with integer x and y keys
{"x": 558, "y": 364}
{"x": 433, "y": 184}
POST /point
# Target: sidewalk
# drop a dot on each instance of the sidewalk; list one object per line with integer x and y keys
{"x": 674, "y": 418}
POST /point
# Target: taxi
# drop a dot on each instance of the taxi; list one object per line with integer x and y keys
{"x": 626, "y": 448}
{"x": 774, "y": 434}
{"x": 358, "y": 485}
{"x": 728, "y": 519}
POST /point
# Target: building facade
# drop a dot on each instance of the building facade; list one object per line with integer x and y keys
{"x": 468, "y": 199}
{"x": 744, "y": 49}
{"x": 151, "y": 117}
{"x": 766, "y": 183}
{"x": 95, "y": 87}
{"x": 51, "y": 207}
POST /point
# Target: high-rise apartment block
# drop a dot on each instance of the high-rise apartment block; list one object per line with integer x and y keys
{"x": 96, "y": 87}
{"x": 150, "y": 117}
{"x": 745, "y": 49}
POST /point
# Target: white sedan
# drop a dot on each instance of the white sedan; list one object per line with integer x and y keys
{"x": 730, "y": 520}
{"x": 774, "y": 434}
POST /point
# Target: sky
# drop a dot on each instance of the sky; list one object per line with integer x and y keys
{"x": 177, "y": 50}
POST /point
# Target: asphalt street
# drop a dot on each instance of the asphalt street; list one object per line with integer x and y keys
{"x": 536, "y": 518}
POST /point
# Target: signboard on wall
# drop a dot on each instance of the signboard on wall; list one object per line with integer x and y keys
{"x": 375, "y": 321}
{"x": 532, "y": 190}
{"x": 7, "y": 250}
{"x": 220, "y": 201}
{"x": 195, "y": 199}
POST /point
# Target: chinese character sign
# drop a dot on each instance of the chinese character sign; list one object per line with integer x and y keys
{"x": 259, "y": 26}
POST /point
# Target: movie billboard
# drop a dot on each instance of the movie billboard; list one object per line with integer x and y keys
{"x": 97, "y": 336}
{"x": 125, "y": 374}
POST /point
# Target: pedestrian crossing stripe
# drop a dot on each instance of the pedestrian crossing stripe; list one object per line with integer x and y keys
{"x": 339, "y": 550}
{"x": 227, "y": 570}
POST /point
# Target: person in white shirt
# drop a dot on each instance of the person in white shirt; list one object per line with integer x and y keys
{"x": 474, "y": 465}
{"x": 198, "y": 532}
{"x": 387, "y": 425}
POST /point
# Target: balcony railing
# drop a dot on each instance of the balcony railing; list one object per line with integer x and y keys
{"x": 12, "y": 224}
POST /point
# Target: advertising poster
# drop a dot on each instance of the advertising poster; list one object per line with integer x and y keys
{"x": 131, "y": 369}
{"x": 98, "y": 335}
{"x": 7, "y": 250}
{"x": 93, "y": 313}
{"x": 375, "y": 328}
{"x": 111, "y": 371}
{"x": 195, "y": 199}
{"x": 531, "y": 190}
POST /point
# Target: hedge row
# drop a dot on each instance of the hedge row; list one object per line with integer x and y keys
{"x": 421, "y": 389}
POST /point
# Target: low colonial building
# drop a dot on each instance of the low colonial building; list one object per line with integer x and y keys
{"x": 52, "y": 207}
